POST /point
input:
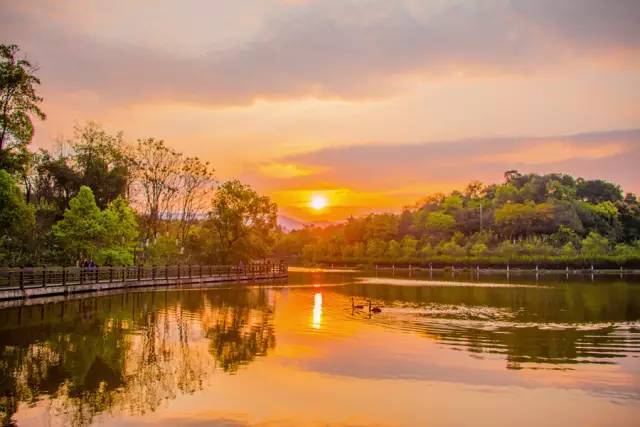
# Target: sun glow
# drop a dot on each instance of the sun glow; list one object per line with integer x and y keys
{"x": 316, "y": 320}
{"x": 318, "y": 202}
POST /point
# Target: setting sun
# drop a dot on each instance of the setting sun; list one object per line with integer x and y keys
{"x": 318, "y": 202}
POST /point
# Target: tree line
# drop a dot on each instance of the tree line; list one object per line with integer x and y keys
{"x": 96, "y": 196}
{"x": 527, "y": 219}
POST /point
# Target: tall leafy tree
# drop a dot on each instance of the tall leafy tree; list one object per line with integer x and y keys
{"x": 243, "y": 221}
{"x": 19, "y": 103}
{"x": 80, "y": 231}
{"x": 120, "y": 234}
{"x": 101, "y": 161}
{"x": 17, "y": 221}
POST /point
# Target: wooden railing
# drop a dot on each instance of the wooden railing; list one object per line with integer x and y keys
{"x": 30, "y": 277}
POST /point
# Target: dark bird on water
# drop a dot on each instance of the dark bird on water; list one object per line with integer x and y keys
{"x": 354, "y": 305}
{"x": 374, "y": 309}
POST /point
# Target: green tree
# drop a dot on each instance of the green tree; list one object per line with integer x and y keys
{"x": 516, "y": 220}
{"x": 359, "y": 250}
{"x": 629, "y": 215}
{"x": 568, "y": 250}
{"x": 452, "y": 203}
{"x": 426, "y": 252}
{"x": 506, "y": 193}
{"x": 479, "y": 249}
{"x": 409, "y": 248}
{"x": 597, "y": 191}
{"x": 164, "y": 250}
{"x": 626, "y": 251}
{"x": 507, "y": 250}
{"x": 80, "y": 232}
{"x": 56, "y": 181}
{"x": 17, "y": 221}
{"x": 594, "y": 245}
{"x": 394, "y": 250}
{"x": 439, "y": 225}
{"x": 101, "y": 161}
{"x": 376, "y": 249}
{"x": 602, "y": 218}
{"x": 381, "y": 226}
{"x": 18, "y": 104}
{"x": 244, "y": 221}
{"x": 120, "y": 234}
{"x": 452, "y": 248}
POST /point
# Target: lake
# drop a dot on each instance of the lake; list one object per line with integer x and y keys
{"x": 444, "y": 350}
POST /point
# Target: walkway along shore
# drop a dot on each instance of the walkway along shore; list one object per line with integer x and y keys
{"x": 31, "y": 282}
{"x": 478, "y": 269}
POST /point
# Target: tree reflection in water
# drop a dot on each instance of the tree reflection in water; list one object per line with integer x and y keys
{"x": 127, "y": 352}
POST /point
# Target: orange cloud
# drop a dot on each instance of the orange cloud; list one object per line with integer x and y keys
{"x": 286, "y": 170}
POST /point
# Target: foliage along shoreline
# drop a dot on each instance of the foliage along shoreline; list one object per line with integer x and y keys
{"x": 552, "y": 220}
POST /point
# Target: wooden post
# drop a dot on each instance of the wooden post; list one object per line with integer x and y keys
{"x": 166, "y": 272}
{"x": 189, "y": 271}
{"x": 44, "y": 276}
{"x": 139, "y": 272}
{"x": 80, "y": 269}
{"x": 153, "y": 272}
{"x": 22, "y": 278}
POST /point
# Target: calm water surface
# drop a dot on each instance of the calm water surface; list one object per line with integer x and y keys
{"x": 443, "y": 351}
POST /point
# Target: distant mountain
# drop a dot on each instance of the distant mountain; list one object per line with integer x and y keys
{"x": 290, "y": 224}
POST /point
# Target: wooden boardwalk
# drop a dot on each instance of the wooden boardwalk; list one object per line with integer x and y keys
{"x": 33, "y": 282}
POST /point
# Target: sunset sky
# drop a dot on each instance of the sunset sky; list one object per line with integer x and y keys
{"x": 367, "y": 104}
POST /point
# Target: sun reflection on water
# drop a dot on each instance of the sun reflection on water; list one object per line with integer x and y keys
{"x": 317, "y": 311}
